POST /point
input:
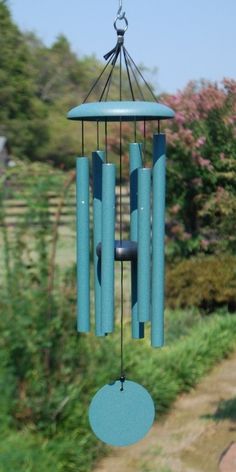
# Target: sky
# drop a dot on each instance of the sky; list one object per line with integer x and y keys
{"x": 184, "y": 39}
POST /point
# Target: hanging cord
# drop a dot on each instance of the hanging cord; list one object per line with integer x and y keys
{"x": 134, "y": 75}
{"x": 122, "y": 374}
{"x": 144, "y": 143}
{"x": 128, "y": 74}
{"x": 82, "y": 134}
{"x": 141, "y": 75}
{"x": 98, "y": 136}
{"x": 97, "y": 80}
{"x": 106, "y": 143}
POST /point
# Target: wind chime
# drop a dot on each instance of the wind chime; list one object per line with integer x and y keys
{"x": 122, "y": 413}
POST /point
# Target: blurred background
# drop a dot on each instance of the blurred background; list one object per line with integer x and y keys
{"x": 50, "y": 53}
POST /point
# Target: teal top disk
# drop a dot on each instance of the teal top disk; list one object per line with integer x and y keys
{"x": 124, "y": 111}
{"x": 121, "y": 418}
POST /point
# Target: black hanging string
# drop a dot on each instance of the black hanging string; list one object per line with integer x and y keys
{"x": 134, "y": 76}
{"x": 82, "y": 134}
{"x": 106, "y": 143}
{"x": 97, "y": 80}
{"x": 122, "y": 374}
{"x": 144, "y": 142}
{"x": 98, "y": 136}
{"x": 141, "y": 75}
{"x": 135, "y": 131}
{"x": 108, "y": 81}
{"x": 128, "y": 74}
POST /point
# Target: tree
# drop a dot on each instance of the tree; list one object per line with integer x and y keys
{"x": 22, "y": 115}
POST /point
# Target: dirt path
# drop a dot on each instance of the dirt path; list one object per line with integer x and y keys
{"x": 200, "y": 426}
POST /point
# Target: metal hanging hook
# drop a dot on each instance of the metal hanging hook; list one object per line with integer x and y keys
{"x": 120, "y": 16}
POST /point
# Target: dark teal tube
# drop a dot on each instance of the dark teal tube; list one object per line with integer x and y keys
{"x": 135, "y": 160}
{"x": 144, "y": 243}
{"x": 98, "y": 158}
{"x": 108, "y": 244}
{"x": 83, "y": 246}
{"x": 158, "y": 240}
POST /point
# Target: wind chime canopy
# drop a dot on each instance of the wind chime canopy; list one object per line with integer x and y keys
{"x": 120, "y": 110}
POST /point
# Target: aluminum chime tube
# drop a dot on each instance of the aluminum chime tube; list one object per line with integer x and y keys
{"x": 108, "y": 242}
{"x": 83, "y": 245}
{"x": 98, "y": 157}
{"x": 135, "y": 159}
{"x": 144, "y": 243}
{"x": 158, "y": 240}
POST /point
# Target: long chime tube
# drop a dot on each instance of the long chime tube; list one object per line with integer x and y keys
{"x": 83, "y": 245}
{"x": 144, "y": 246}
{"x": 135, "y": 159}
{"x": 98, "y": 157}
{"x": 108, "y": 245}
{"x": 158, "y": 240}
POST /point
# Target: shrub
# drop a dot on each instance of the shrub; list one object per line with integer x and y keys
{"x": 207, "y": 283}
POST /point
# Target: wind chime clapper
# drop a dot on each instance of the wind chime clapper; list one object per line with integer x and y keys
{"x": 144, "y": 248}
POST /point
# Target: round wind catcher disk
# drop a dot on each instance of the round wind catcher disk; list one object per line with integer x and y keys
{"x": 121, "y": 413}
{"x": 121, "y": 416}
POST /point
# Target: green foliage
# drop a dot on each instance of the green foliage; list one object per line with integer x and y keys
{"x": 23, "y": 452}
{"x": 38, "y": 86}
{"x": 205, "y": 282}
{"x": 22, "y": 115}
{"x": 49, "y": 372}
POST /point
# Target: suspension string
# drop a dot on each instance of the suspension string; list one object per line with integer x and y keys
{"x": 82, "y": 134}
{"x": 141, "y": 75}
{"x": 109, "y": 80}
{"x": 122, "y": 375}
{"x": 135, "y": 131}
{"x": 134, "y": 75}
{"x": 144, "y": 143}
{"x": 128, "y": 74}
{"x": 114, "y": 59}
{"x": 97, "y": 80}
{"x": 106, "y": 143}
{"x": 98, "y": 136}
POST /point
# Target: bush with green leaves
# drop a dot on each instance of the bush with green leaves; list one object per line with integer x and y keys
{"x": 207, "y": 282}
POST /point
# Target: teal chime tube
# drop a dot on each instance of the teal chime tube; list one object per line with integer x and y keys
{"x": 108, "y": 245}
{"x": 83, "y": 246}
{"x": 158, "y": 240}
{"x": 98, "y": 158}
{"x": 144, "y": 243}
{"x": 135, "y": 159}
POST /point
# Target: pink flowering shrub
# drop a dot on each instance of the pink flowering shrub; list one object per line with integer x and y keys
{"x": 202, "y": 168}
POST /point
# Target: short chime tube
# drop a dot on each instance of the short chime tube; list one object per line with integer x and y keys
{"x": 83, "y": 245}
{"x": 98, "y": 157}
{"x": 135, "y": 159}
{"x": 158, "y": 239}
{"x": 108, "y": 245}
{"x": 144, "y": 256}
